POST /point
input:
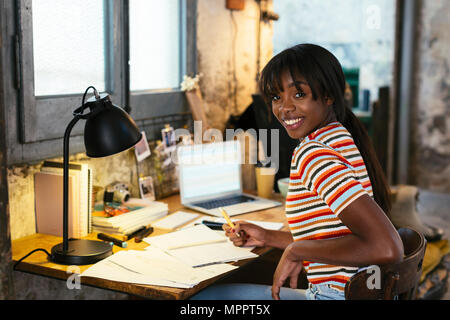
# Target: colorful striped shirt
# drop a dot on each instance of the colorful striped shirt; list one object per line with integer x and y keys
{"x": 327, "y": 174}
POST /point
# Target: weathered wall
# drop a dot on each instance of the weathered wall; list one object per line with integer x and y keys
{"x": 430, "y": 157}
{"x": 229, "y": 44}
{"x": 227, "y": 56}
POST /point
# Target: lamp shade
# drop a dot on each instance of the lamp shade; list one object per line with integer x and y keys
{"x": 109, "y": 129}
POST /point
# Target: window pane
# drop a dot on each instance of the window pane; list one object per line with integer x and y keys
{"x": 68, "y": 46}
{"x": 154, "y": 44}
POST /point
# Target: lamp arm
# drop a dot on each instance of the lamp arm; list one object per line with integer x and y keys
{"x": 66, "y": 182}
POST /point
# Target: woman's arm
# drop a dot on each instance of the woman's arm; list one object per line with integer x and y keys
{"x": 374, "y": 241}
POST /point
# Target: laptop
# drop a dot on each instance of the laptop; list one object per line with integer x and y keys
{"x": 210, "y": 177}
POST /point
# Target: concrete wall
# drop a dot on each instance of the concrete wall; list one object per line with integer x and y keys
{"x": 430, "y": 156}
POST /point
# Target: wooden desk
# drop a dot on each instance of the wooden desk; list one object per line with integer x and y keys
{"x": 39, "y": 264}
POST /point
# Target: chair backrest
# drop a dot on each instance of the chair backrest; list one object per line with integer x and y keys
{"x": 397, "y": 281}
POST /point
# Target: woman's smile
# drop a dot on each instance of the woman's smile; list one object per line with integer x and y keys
{"x": 293, "y": 123}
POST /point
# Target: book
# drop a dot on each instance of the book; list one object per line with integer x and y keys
{"x": 83, "y": 177}
{"x": 123, "y": 219}
{"x": 48, "y": 189}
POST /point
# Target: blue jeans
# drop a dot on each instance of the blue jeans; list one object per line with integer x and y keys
{"x": 323, "y": 292}
{"x": 244, "y": 291}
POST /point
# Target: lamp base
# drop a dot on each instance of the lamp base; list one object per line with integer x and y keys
{"x": 81, "y": 252}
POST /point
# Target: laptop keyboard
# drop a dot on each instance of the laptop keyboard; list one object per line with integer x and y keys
{"x": 223, "y": 202}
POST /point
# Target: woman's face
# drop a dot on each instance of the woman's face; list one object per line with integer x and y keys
{"x": 297, "y": 110}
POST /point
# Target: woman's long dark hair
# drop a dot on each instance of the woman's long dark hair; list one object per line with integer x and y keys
{"x": 324, "y": 75}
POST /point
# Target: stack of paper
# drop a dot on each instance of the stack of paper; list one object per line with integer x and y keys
{"x": 199, "y": 246}
{"x": 152, "y": 267}
{"x": 141, "y": 213}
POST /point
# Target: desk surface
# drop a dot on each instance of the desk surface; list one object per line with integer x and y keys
{"x": 38, "y": 263}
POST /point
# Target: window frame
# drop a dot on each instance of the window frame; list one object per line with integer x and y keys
{"x": 38, "y": 113}
{"x": 36, "y": 128}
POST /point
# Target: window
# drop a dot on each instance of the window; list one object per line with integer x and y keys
{"x": 135, "y": 50}
{"x": 64, "y": 47}
{"x": 71, "y": 59}
{"x": 154, "y": 55}
{"x": 158, "y": 60}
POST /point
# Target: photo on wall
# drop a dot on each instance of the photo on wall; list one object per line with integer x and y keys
{"x": 146, "y": 188}
{"x": 141, "y": 149}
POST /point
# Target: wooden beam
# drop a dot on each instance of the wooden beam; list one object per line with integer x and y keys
{"x": 6, "y": 283}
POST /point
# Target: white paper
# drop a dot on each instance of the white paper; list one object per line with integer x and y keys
{"x": 207, "y": 254}
{"x": 175, "y": 220}
{"x": 201, "y": 246}
{"x": 108, "y": 270}
{"x": 193, "y": 236}
{"x": 153, "y": 267}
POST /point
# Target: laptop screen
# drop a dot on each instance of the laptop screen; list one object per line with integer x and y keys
{"x": 208, "y": 170}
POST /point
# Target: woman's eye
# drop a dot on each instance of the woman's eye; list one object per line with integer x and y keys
{"x": 275, "y": 98}
{"x": 299, "y": 94}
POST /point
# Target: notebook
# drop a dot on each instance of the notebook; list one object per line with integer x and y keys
{"x": 210, "y": 177}
{"x": 48, "y": 189}
{"x": 83, "y": 178}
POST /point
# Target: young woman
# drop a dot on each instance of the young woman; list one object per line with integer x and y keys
{"x": 337, "y": 205}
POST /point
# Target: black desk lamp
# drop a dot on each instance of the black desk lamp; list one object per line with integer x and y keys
{"x": 108, "y": 130}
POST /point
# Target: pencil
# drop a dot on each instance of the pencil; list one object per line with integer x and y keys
{"x": 227, "y": 218}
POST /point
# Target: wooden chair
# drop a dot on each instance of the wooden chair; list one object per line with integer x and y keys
{"x": 398, "y": 281}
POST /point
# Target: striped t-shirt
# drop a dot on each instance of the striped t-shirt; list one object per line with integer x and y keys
{"x": 327, "y": 174}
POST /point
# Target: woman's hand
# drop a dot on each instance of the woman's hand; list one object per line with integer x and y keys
{"x": 246, "y": 234}
{"x": 288, "y": 267}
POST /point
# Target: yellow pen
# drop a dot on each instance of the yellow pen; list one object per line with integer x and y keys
{"x": 227, "y": 218}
